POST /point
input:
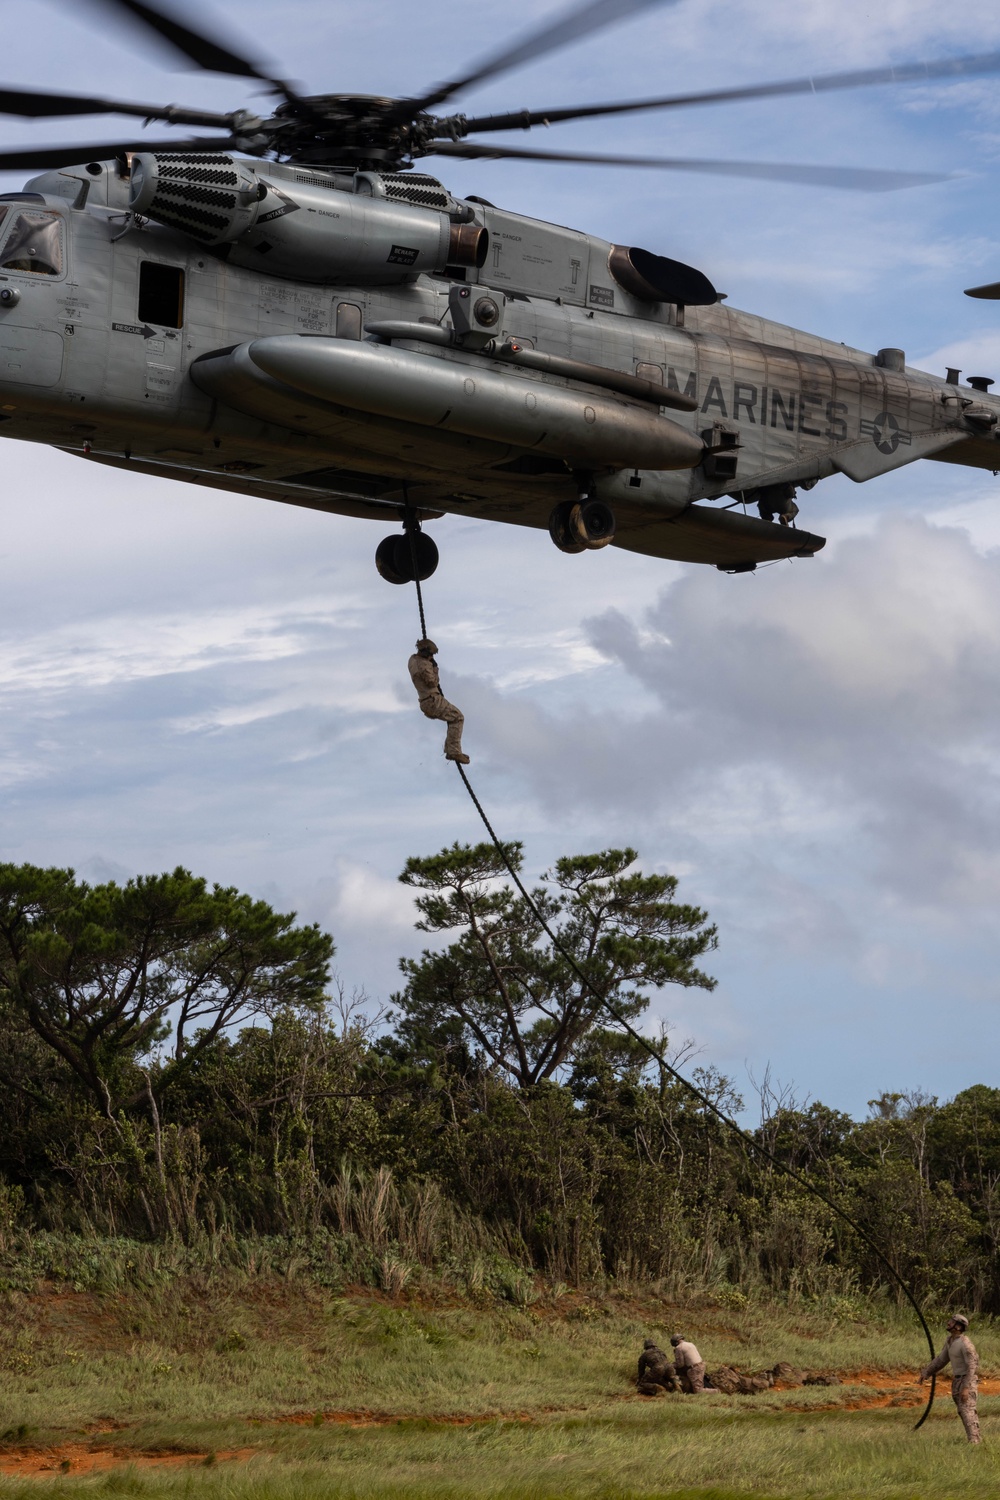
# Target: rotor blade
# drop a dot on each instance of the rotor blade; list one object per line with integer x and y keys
{"x": 572, "y": 26}
{"x": 930, "y": 72}
{"x": 69, "y": 155}
{"x": 194, "y": 45}
{"x": 865, "y": 179}
{"x": 33, "y": 104}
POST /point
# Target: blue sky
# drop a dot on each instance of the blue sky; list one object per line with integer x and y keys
{"x": 215, "y": 681}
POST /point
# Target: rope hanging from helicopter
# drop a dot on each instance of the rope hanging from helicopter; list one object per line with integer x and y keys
{"x": 334, "y": 133}
{"x": 749, "y": 1142}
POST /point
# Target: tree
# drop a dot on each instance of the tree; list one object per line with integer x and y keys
{"x": 505, "y": 990}
{"x": 110, "y": 975}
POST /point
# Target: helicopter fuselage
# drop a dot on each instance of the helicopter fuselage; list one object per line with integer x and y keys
{"x": 359, "y": 395}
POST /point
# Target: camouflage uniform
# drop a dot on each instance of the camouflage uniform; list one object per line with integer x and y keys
{"x": 689, "y": 1364}
{"x": 731, "y": 1383}
{"x": 656, "y": 1372}
{"x": 961, "y": 1352}
{"x": 426, "y": 679}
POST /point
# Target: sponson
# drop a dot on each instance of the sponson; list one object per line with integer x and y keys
{"x": 583, "y": 428}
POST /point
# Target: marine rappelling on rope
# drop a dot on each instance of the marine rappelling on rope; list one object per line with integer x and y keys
{"x": 422, "y": 667}
{"x": 424, "y": 656}
{"x": 426, "y": 679}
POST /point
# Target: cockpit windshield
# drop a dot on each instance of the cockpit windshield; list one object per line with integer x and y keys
{"x": 34, "y": 244}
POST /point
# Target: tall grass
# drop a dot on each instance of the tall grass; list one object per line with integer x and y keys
{"x": 224, "y": 1343}
{"x": 209, "y": 1356}
{"x": 636, "y": 1452}
{"x": 381, "y": 1234}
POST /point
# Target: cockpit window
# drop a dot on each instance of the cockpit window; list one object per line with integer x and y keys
{"x": 3, "y": 212}
{"x": 34, "y": 244}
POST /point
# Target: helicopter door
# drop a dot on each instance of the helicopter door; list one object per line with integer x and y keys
{"x": 147, "y": 300}
{"x": 349, "y": 320}
{"x": 161, "y": 294}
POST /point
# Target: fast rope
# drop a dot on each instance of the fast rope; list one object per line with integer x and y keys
{"x": 602, "y": 999}
{"x": 410, "y": 523}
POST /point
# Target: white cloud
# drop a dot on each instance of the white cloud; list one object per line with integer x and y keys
{"x": 126, "y": 648}
{"x": 363, "y": 898}
{"x": 206, "y": 679}
{"x": 860, "y": 692}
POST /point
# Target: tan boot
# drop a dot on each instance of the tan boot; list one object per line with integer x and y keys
{"x": 453, "y": 745}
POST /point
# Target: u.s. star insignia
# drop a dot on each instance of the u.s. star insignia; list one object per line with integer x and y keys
{"x": 886, "y": 432}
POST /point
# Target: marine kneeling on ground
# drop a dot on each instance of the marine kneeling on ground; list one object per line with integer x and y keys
{"x": 689, "y": 1365}
{"x": 656, "y": 1371}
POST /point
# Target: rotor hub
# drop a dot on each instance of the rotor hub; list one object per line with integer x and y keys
{"x": 354, "y": 130}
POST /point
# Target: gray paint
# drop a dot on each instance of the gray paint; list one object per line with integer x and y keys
{"x": 79, "y": 369}
{"x": 425, "y": 387}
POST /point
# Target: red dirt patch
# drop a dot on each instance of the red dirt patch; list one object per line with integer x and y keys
{"x": 885, "y": 1389}
{"x": 893, "y": 1389}
{"x": 82, "y": 1458}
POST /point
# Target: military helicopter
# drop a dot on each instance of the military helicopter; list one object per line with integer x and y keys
{"x": 289, "y": 309}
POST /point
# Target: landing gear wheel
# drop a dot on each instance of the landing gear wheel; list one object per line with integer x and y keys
{"x": 592, "y": 523}
{"x": 394, "y": 558}
{"x": 559, "y": 528}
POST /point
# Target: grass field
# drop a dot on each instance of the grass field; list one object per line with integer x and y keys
{"x": 259, "y": 1388}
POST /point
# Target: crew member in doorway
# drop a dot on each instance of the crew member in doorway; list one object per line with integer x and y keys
{"x": 427, "y": 681}
{"x": 777, "y": 501}
{"x": 961, "y": 1351}
{"x": 689, "y": 1365}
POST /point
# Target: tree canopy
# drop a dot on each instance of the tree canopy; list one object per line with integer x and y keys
{"x": 505, "y": 991}
{"x": 154, "y": 970}
{"x": 172, "y": 1065}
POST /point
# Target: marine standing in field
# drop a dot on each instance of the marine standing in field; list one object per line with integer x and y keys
{"x": 961, "y": 1352}
{"x": 656, "y": 1371}
{"x": 689, "y": 1365}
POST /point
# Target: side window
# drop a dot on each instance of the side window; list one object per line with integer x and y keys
{"x": 653, "y": 373}
{"x": 348, "y": 320}
{"x": 161, "y": 294}
{"x": 34, "y": 244}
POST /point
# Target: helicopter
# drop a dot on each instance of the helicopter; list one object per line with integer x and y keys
{"x": 291, "y": 309}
